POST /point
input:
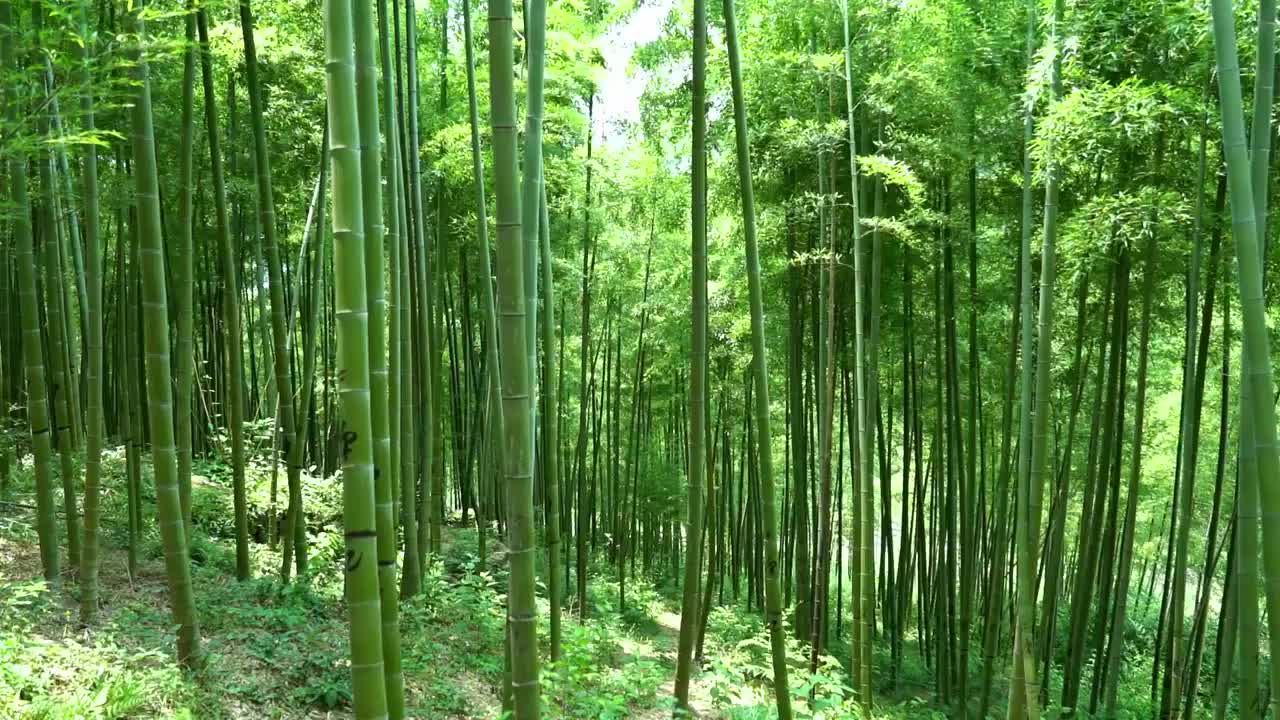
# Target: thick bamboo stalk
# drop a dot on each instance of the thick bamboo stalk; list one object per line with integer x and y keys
{"x": 183, "y": 272}
{"x": 1258, "y": 420}
{"x": 29, "y": 313}
{"x": 159, "y": 372}
{"x": 760, "y": 375}
{"x": 517, "y": 459}
{"x": 863, "y": 413}
{"x": 374, "y": 238}
{"x": 369, "y": 684}
{"x": 697, "y": 461}
{"x": 95, "y": 421}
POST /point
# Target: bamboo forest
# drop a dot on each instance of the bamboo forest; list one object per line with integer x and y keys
{"x": 603, "y": 359}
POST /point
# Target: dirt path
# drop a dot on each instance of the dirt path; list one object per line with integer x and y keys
{"x": 666, "y": 644}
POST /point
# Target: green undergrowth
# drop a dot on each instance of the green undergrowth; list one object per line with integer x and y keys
{"x": 281, "y": 650}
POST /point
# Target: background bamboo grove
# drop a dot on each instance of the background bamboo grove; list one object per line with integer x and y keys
{"x": 763, "y": 358}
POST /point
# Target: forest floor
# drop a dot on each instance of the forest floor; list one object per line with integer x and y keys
{"x": 280, "y": 651}
{"x": 665, "y": 646}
